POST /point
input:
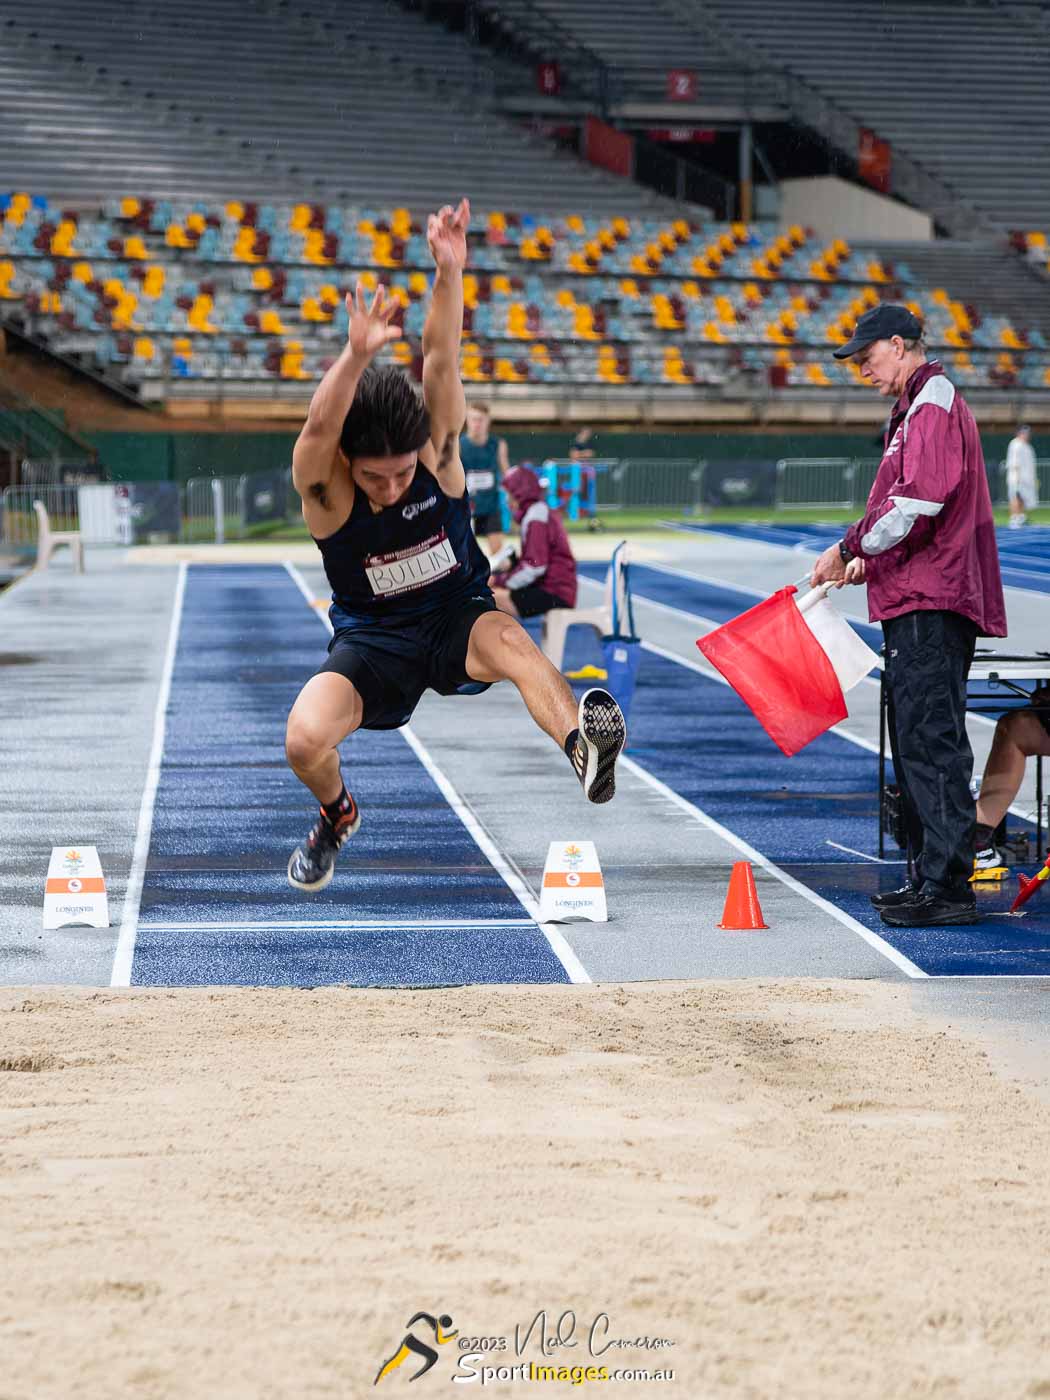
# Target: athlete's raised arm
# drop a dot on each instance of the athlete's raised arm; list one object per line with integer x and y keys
{"x": 442, "y": 387}
{"x": 316, "y": 458}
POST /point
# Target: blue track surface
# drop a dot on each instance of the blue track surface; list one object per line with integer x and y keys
{"x": 700, "y": 739}
{"x": 1024, "y": 555}
{"x": 229, "y": 812}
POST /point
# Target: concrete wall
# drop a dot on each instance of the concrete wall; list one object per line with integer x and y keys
{"x": 836, "y": 209}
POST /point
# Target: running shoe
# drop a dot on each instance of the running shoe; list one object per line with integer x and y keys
{"x": 932, "y": 911}
{"x": 988, "y": 864}
{"x": 887, "y": 899}
{"x": 603, "y": 733}
{"x": 312, "y": 864}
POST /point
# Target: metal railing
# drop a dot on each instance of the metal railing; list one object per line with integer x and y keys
{"x": 828, "y": 483}
{"x": 673, "y": 483}
{"x": 213, "y": 509}
{"x": 627, "y": 483}
{"x": 220, "y": 508}
{"x": 21, "y": 529}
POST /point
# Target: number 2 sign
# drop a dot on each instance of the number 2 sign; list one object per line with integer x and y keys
{"x": 681, "y": 85}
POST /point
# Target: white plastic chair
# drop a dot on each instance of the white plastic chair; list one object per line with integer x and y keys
{"x": 49, "y": 540}
{"x": 557, "y": 622}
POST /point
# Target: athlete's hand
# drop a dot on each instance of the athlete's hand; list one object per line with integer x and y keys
{"x": 447, "y": 236}
{"x": 370, "y": 327}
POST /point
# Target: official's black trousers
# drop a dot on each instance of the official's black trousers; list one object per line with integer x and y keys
{"x": 928, "y": 656}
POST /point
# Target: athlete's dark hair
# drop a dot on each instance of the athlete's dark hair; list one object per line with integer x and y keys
{"x": 387, "y": 417}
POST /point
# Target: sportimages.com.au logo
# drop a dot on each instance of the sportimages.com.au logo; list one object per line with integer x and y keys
{"x": 484, "y": 1359}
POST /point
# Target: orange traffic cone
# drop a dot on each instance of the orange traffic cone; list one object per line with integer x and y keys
{"x": 742, "y": 910}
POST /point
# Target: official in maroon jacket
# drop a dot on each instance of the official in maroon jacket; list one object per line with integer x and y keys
{"x": 926, "y": 549}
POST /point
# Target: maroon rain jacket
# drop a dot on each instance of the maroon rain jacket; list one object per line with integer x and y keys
{"x": 928, "y": 536}
{"x": 546, "y": 555}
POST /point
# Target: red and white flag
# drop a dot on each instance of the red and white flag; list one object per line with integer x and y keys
{"x": 792, "y": 682}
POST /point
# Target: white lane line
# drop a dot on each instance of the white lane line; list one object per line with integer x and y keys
{"x": 711, "y": 674}
{"x": 125, "y": 950}
{"x": 332, "y": 925}
{"x": 876, "y": 860}
{"x": 757, "y": 858}
{"x": 574, "y": 969}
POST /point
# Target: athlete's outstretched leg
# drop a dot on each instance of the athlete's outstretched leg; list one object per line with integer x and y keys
{"x": 327, "y": 711}
{"x": 591, "y": 734}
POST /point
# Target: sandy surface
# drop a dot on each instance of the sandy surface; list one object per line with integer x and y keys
{"x": 805, "y": 1188}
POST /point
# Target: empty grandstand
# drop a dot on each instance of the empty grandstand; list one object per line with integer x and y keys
{"x": 193, "y": 191}
{"x": 213, "y": 97}
{"x": 958, "y": 88}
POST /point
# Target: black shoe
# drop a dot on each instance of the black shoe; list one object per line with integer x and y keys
{"x": 312, "y": 864}
{"x": 603, "y": 733}
{"x": 889, "y": 899}
{"x": 931, "y": 911}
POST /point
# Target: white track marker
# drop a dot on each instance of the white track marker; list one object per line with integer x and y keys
{"x": 125, "y": 950}
{"x": 335, "y": 925}
{"x": 757, "y": 858}
{"x": 574, "y": 969}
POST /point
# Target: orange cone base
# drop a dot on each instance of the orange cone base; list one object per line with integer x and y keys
{"x": 742, "y": 910}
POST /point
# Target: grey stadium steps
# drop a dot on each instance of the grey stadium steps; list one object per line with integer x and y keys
{"x": 226, "y": 98}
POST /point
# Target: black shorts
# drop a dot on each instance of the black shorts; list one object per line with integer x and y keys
{"x": 532, "y": 600}
{"x": 391, "y": 663}
{"x": 489, "y": 522}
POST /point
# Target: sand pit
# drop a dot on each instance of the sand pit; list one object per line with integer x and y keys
{"x": 806, "y": 1189}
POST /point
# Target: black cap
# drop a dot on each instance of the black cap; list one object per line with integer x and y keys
{"x": 881, "y": 322}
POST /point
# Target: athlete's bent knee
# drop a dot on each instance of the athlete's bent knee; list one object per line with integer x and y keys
{"x": 304, "y": 747}
{"x": 514, "y": 642}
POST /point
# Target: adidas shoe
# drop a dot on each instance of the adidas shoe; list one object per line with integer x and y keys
{"x": 312, "y": 864}
{"x": 603, "y": 733}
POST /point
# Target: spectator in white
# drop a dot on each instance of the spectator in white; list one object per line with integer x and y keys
{"x": 926, "y": 549}
{"x": 544, "y": 576}
{"x": 1021, "y": 484}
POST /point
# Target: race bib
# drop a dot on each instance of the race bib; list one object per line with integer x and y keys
{"x": 415, "y": 567}
{"x": 480, "y": 481}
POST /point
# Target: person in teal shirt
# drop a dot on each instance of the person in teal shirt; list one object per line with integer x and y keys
{"x": 486, "y": 463}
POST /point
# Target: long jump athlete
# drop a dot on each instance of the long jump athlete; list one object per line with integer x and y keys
{"x": 384, "y": 496}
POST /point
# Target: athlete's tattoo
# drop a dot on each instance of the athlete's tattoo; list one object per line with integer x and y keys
{"x": 447, "y": 450}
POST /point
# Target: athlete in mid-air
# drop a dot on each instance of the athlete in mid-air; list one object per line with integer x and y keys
{"x": 384, "y": 496}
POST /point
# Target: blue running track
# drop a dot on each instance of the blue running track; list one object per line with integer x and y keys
{"x": 1024, "y": 555}
{"x": 216, "y": 907}
{"x": 699, "y": 738}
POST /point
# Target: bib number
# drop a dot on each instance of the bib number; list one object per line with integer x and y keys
{"x": 408, "y": 569}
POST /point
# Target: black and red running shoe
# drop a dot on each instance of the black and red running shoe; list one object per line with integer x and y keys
{"x": 312, "y": 864}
